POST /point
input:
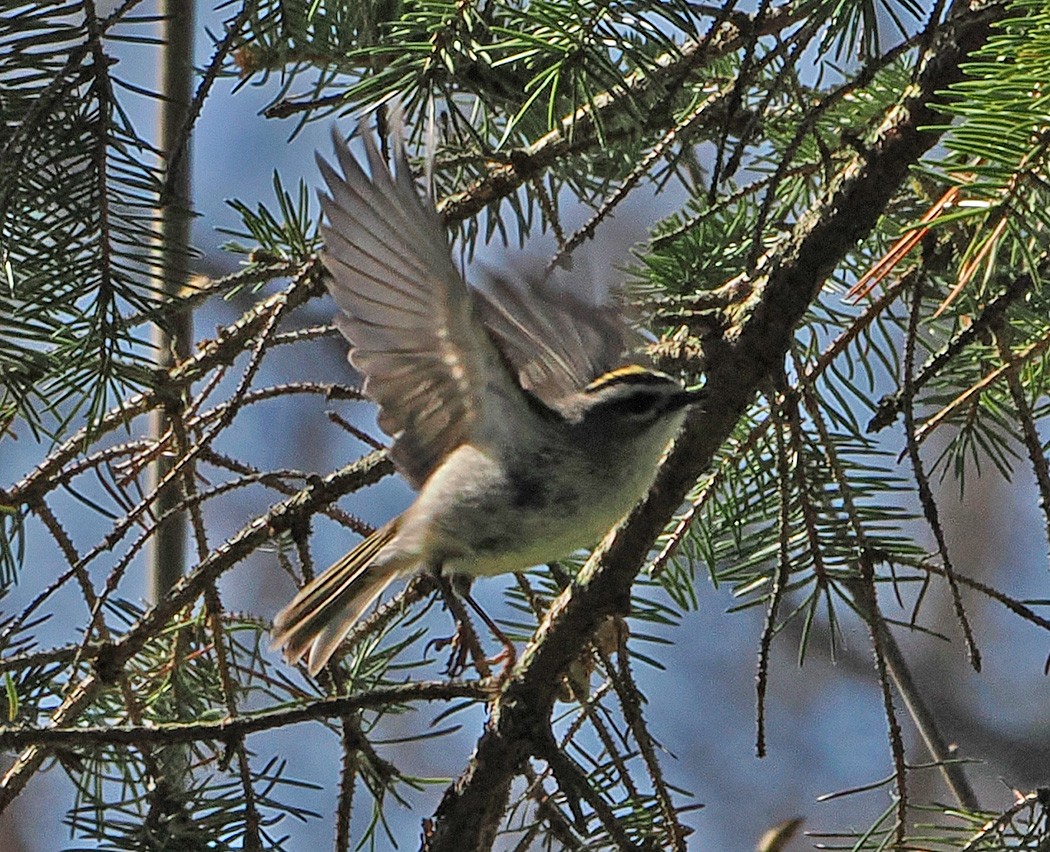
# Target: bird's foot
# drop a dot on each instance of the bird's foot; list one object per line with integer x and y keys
{"x": 465, "y": 645}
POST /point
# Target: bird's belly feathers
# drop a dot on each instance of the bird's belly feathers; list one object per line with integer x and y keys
{"x": 472, "y": 517}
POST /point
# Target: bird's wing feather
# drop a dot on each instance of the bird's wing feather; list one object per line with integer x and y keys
{"x": 410, "y": 318}
{"x": 555, "y": 342}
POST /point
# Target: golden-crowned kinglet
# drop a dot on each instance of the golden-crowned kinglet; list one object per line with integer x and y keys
{"x": 517, "y": 413}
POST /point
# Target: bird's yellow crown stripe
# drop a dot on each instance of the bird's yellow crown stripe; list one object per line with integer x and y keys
{"x": 626, "y": 372}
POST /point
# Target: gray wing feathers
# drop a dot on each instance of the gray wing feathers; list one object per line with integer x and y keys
{"x": 556, "y": 342}
{"x": 407, "y": 313}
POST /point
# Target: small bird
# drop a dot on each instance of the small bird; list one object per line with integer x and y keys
{"x": 518, "y": 413}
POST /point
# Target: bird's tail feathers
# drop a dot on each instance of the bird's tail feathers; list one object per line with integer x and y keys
{"x": 320, "y": 616}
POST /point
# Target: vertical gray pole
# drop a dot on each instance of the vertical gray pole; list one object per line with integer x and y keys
{"x": 167, "y": 552}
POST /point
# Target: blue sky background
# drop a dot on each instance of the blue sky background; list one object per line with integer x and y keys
{"x": 825, "y": 722}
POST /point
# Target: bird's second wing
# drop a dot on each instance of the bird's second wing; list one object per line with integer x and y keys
{"x": 555, "y": 342}
{"x": 408, "y": 314}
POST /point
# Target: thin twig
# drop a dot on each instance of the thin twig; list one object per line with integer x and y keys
{"x": 864, "y": 594}
{"x": 1038, "y": 798}
{"x": 973, "y": 332}
{"x": 926, "y": 498}
{"x": 573, "y": 781}
{"x": 1029, "y": 433}
{"x": 227, "y": 344}
{"x": 889, "y": 661}
{"x": 780, "y": 578}
{"x": 233, "y": 728}
{"x": 631, "y": 701}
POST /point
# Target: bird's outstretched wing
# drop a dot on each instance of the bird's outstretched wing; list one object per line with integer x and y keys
{"x": 555, "y": 342}
{"x": 410, "y": 318}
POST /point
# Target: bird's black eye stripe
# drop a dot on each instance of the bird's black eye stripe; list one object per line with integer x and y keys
{"x": 639, "y": 402}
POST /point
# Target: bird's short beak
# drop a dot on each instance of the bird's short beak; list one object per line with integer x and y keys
{"x": 685, "y": 398}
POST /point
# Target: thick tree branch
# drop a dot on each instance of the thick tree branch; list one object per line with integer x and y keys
{"x": 752, "y": 344}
